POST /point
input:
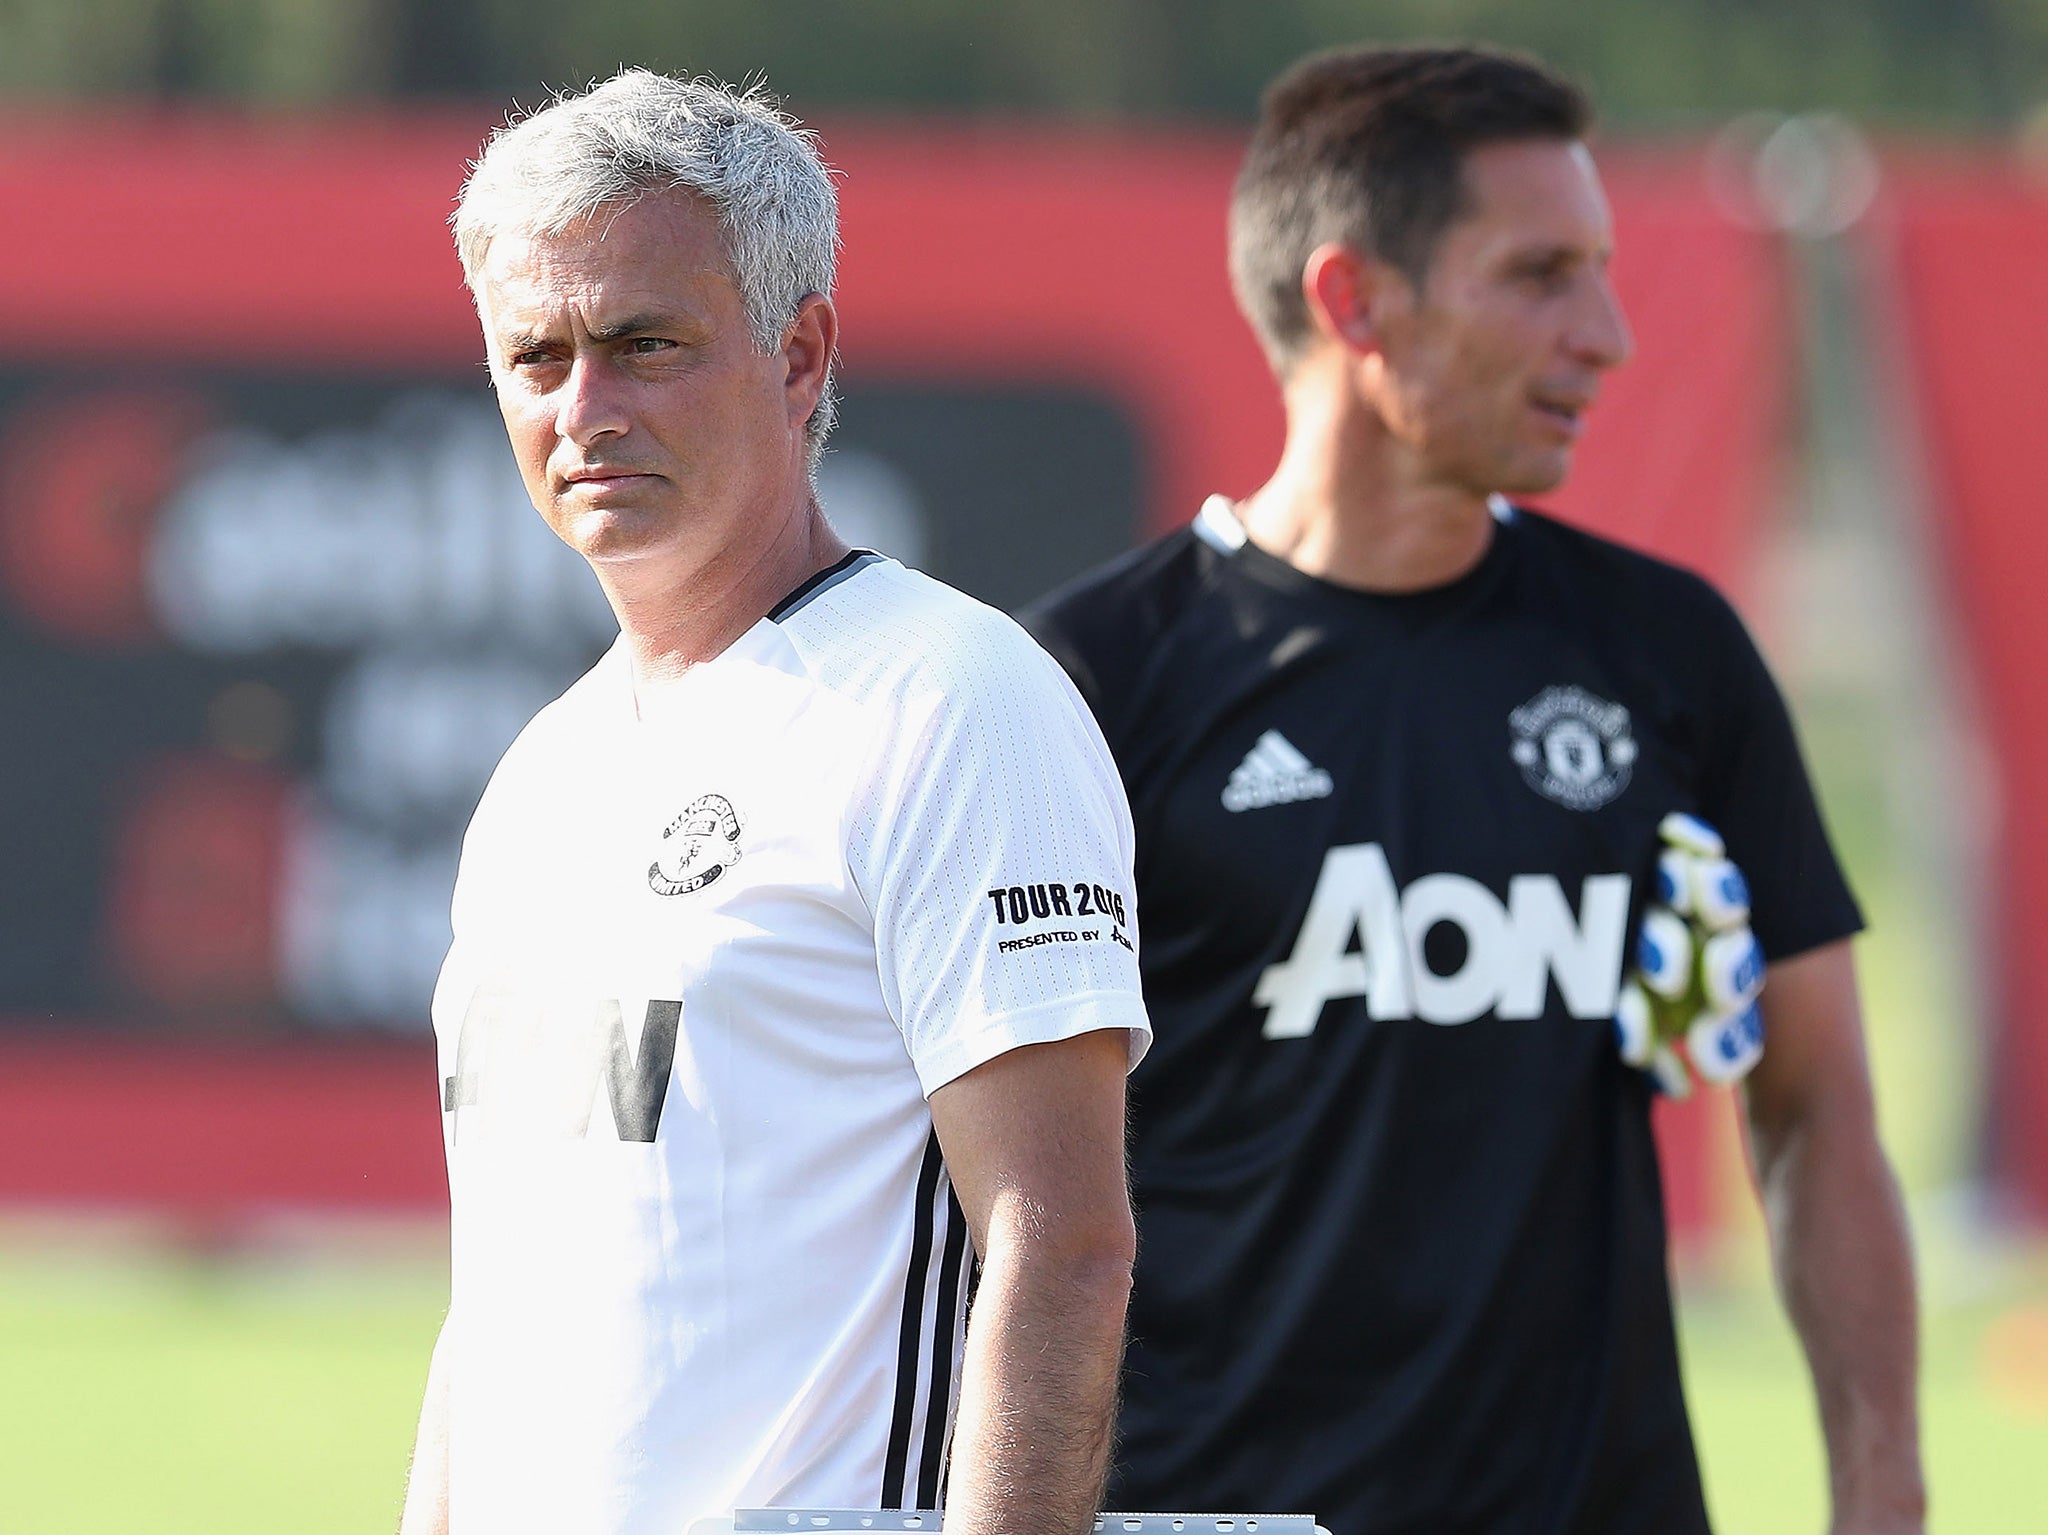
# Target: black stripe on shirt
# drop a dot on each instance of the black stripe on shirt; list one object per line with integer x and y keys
{"x": 908, "y": 1337}
{"x": 973, "y": 1283}
{"x": 938, "y": 1412}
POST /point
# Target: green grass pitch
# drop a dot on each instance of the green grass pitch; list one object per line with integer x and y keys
{"x": 182, "y": 1397}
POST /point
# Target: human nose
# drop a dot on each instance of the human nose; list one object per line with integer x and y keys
{"x": 1600, "y": 333}
{"x": 589, "y": 405}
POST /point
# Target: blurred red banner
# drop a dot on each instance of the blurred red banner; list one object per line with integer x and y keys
{"x": 1048, "y": 258}
{"x": 1971, "y": 259}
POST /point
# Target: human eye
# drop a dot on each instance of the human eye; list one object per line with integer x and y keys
{"x": 648, "y": 346}
{"x": 526, "y": 355}
{"x": 1546, "y": 274}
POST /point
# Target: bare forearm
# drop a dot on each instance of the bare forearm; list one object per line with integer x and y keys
{"x": 1038, "y": 1396}
{"x": 1845, "y": 1268}
{"x": 1035, "y": 1140}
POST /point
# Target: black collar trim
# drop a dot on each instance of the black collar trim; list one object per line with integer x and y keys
{"x": 822, "y": 582}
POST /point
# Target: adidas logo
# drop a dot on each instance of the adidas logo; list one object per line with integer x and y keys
{"x": 1274, "y": 772}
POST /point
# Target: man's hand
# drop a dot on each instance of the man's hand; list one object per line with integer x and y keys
{"x": 1878, "y": 1524}
{"x": 1838, "y": 1240}
{"x": 1034, "y": 1142}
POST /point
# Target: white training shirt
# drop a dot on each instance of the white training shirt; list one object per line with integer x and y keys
{"x": 711, "y": 954}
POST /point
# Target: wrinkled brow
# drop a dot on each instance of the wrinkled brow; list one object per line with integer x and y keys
{"x": 634, "y": 325}
{"x": 617, "y": 330}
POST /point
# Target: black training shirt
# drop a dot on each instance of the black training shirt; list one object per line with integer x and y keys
{"x": 1402, "y": 1249}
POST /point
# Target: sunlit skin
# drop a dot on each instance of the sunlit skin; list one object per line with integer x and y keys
{"x": 653, "y": 436}
{"x": 1408, "y": 408}
{"x": 1415, "y": 402}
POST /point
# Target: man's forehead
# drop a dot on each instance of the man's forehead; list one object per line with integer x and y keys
{"x": 1541, "y": 188}
{"x": 636, "y": 258}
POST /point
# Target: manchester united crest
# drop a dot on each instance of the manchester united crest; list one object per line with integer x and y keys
{"x": 696, "y": 847}
{"x": 1572, "y": 747}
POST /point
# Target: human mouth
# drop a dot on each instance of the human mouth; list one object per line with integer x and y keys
{"x": 597, "y": 479}
{"x": 1565, "y": 413}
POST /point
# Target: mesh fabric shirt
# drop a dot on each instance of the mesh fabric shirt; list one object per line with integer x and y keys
{"x": 716, "y": 943}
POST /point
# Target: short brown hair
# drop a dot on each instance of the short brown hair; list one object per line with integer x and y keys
{"x": 1367, "y": 146}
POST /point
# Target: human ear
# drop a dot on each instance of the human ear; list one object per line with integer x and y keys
{"x": 1339, "y": 287}
{"x": 808, "y": 347}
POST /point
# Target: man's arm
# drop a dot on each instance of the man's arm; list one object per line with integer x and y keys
{"x": 1034, "y": 1142}
{"x": 426, "y": 1490}
{"x": 1838, "y": 1239}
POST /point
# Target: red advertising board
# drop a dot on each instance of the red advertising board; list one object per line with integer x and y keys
{"x": 1970, "y": 242}
{"x": 266, "y": 591}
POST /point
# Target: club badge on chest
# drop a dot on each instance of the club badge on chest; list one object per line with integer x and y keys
{"x": 696, "y": 847}
{"x": 1573, "y": 747}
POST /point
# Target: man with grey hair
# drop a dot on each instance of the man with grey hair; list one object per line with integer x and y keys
{"x": 793, "y": 967}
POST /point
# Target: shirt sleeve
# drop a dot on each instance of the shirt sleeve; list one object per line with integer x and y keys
{"x": 993, "y": 845}
{"x": 1049, "y": 624}
{"x": 1757, "y": 792}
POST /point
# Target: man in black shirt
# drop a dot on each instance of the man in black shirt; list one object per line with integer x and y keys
{"x": 1398, "y": 752}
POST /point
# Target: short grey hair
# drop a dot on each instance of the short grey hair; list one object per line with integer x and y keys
{"x": 639, "y": 132}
